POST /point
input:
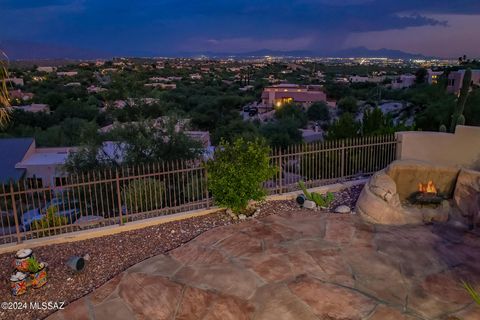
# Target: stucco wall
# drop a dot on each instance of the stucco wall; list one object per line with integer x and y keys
{"x": 461, "y": 149}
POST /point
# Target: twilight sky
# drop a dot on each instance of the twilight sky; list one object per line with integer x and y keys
{"x": 446, "y": 28}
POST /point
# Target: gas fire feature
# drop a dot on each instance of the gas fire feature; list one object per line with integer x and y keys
{"x": 426, "y": 195}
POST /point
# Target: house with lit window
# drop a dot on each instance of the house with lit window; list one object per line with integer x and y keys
{"x": 278, "y": 95}
{"x": 433, "y": 76}
{"x": 455, "y": 80}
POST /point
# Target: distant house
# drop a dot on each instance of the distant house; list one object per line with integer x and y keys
{"x": 39, "y": 166}
{"x": 34, "y": 107}
{"x": 39, "y": 78}
{"x": 95, "y": 89}
{"x": 46, "y": 69}
{"x": 196, "y": 76}
{"x": 365, "y": 79}
{"x": 20, "y": 95}
{"x": 404, "y": 81}
{"x": 109, "y": 70}
{"x": 455, "y": 80}
{"x": 73, "y": 84}
{"x": 246, "y": 88}
{"x": 15, "y": 81}
{"x": 67, "y": 74}
{"x": 433, "y": 76}
{"x": 165, "y": 86}
{"x": 276, "y": 96}
{"x": 311, "y": 135}
{"x": 159, "y": 79}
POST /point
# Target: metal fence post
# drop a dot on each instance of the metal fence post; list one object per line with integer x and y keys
{"x": 342, "y": 160}
{"x": 119, "y": 196}
{"x": 15, "y": 218}
{"x": 280, "y": 175}
{"x": 207, "y": 196}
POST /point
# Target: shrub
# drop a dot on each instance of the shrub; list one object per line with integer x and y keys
{"x": 51, "y": 219}
{"x": 237, "y": 172}
{"x": 319, "y": 111}
{"x": 143, "y": 195}
{"x": 348, "y": 104}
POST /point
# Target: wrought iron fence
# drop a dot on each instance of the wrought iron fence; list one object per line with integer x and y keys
{"x": 117, "y": 196}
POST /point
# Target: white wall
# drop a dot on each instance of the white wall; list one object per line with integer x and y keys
{"x": 461, "y": 149}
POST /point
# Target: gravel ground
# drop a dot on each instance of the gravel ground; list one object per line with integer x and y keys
{"x": 110, "y": 255}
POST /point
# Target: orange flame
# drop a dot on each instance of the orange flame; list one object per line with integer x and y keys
{"x": 428, "y": 188}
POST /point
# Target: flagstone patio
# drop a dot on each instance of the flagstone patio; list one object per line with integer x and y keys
{"x": 298, "y": 265}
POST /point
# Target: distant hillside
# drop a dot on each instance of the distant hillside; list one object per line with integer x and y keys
{"x": 380, "y": 53}
{"x": 359, "y": 52}
{"x": 19, "y": 50}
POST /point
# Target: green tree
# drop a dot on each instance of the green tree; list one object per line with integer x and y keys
{"x": 344, "y": 127}
{"x": 294, "y": 112}
{"x": 421, "y": 76}
{"x": 319, "y": 111}
{"x": 348, "y": 104}
{"x": 237, "y": 173}
{"x": 374, "y": 122}
{"x": 134, "y": 143}
{"x": 282, "y": 133}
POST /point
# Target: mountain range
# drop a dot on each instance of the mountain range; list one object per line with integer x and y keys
{"x": 357, "y": 52}
{"x": 18, "y": 50}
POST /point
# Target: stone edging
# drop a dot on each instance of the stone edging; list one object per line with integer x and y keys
{"x": 139, "y": 224}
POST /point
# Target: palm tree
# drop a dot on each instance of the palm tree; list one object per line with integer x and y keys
{"x": 4, "y": 98}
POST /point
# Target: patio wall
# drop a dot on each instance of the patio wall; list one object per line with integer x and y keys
{"x": 459, "y": 149}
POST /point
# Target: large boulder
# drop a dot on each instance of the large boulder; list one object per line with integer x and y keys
{"x": 383, "y": 186}
{"x": 378, "y": 203}
{"x": 467, "y": 193}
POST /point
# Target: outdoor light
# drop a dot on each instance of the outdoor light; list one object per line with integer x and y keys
{"x": 300, "y": 199}
{"x": 75, "y": 263}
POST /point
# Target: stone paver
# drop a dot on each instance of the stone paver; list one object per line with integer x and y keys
{"x": 301, "y": 266}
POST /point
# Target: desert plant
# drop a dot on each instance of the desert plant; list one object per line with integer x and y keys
{"x": 461, "y": 120}
{"x": 443, "y": 128}
{"x": 33, "y": 265}
{"x": 321, "y": 200}
{"x": 237, "y": 173}
{"x": 4, "y": 97}
{"x": 471, "y": 291}
{"x": 462, "y": 99}
{"x": 51, "y": 219}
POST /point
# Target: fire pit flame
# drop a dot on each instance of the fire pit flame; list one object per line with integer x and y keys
{"x": 427, "y": 188}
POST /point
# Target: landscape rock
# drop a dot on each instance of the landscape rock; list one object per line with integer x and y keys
{"x": 342, "y": 209}
{"x": 467, "y": 193}
{"x": 309, "y": 204}
{"x": 242, "y": 217}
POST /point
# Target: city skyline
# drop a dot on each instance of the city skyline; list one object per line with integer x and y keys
{"x": 170, "y": 27}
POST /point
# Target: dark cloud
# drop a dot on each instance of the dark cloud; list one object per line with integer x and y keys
{"x": 162, "y": 26}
